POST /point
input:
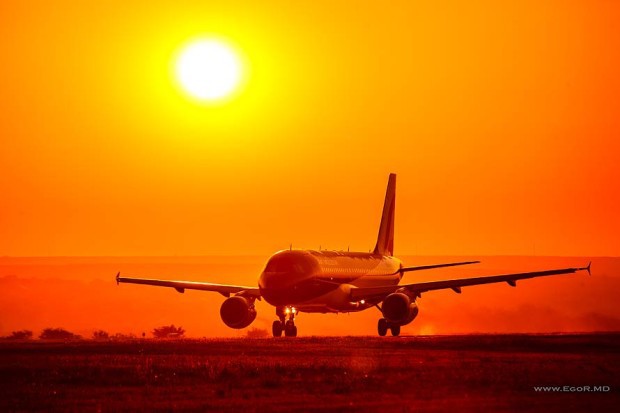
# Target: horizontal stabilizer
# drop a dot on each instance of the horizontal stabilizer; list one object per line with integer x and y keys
{"x": 430, "y": 267}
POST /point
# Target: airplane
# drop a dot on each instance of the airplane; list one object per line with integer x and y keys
{"x": 310, "y": 281}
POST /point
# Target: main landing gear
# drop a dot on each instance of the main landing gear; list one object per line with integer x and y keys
{"x": 288, "y": 326}
{"x": 383, "y": 325}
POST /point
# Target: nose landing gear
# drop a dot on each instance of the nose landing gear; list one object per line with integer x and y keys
{"x": 288, "y": 326}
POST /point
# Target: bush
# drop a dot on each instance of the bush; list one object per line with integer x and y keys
{"x": 123, "y": 337}
{"x": 20, "y": 335}
{"x": 257, "y": 333}
{"x": 58, "y": 334}
{"x": 101, "y": 335}
{"x": 168, "y": 332}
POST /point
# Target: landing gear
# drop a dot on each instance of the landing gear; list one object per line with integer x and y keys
{"x": 276, "y": 328}
{"x": 383, "y": 325}
{"x": 288, "y": 326}
{"x": 290, "y": 329}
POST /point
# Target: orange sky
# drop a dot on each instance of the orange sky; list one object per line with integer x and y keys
{"x": 500, "y": 118}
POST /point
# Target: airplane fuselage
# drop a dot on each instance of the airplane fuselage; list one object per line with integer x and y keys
{"x": 320, "y": 281}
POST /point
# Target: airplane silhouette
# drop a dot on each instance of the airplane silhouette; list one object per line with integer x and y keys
{"x": 310, "y": 281}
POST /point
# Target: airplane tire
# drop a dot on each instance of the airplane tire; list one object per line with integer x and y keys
{"x": 290, "y": 330}
{"x": 395, "y": 329}
{"x": 382, "y": 327}
{"x": 276, "y": 328}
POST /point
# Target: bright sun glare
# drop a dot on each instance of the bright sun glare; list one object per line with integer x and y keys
{"x": 208, "y": 70}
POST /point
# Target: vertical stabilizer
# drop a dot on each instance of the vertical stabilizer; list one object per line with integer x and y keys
{"x": 385, "y": 240}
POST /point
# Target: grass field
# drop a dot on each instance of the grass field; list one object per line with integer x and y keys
{"x": 423, "y": 373}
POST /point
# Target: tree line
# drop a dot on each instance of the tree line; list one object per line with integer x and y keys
{"x": 169, "y": 331}
{"x": 163, "y": 332}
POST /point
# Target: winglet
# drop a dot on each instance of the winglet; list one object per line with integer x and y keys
{"x": 118, "y": 275}
{"x": 586, "y": 268}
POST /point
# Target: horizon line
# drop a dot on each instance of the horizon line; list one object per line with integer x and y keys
{"x": 262, "y": 255}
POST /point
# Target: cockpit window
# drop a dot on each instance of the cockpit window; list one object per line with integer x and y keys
{"x": 288, "y": 263}
{"x": 275, "y": 264}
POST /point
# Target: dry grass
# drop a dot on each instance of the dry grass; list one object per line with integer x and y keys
{"x": 465, "y": 373}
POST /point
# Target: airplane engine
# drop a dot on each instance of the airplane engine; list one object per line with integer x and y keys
{"x": 238, "y": 312}
{"x": 399, "y": 309}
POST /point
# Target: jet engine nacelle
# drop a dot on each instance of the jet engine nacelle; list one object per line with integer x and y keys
{"x": 399, "y": 309}
{"x": 238, "y": 312}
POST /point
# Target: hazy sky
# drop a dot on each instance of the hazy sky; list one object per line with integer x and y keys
{"x": 501, "y": 120}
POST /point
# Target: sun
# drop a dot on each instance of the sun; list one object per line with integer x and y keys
{"x": 209, "y": 70}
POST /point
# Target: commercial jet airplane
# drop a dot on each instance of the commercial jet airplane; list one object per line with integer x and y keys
{"x": 296, "y": 281}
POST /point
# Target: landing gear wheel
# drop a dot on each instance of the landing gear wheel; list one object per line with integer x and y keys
{"x": 382, "y": 327}
{"x": 290, "y": 329}
{"x": 395, "y": 330}
{"x": 276, "y": 328}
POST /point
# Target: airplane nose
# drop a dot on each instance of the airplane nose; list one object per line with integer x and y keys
{"x": 272, "y": 281}
{"x": 285, "y": 271}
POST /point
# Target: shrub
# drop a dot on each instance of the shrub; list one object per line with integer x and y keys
{"x": 101, "y": 335}
{"x": 122, "y": 337}
{"x": 168, "y": 332}
{"x": 58, "y": 334}
{"x": 20, "y": 335}
{"x": 257, "y": 333}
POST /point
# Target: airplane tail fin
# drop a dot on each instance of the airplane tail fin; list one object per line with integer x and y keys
{"x": 385, "y": 240}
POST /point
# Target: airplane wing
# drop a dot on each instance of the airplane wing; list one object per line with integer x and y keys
{"x": 181, "y": 286}
{"x": 379, "y": 293}
{"x": 428, "y": 267}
